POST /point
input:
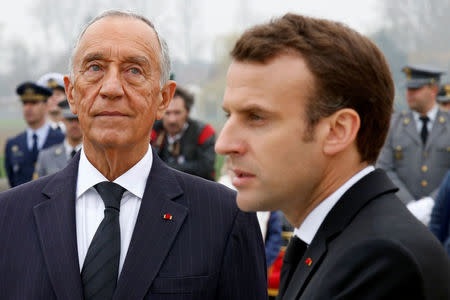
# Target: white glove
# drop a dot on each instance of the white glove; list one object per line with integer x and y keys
{"x": 421, "y": 209}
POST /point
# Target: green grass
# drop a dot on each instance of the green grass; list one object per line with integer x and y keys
{"x": 12, "y": 123}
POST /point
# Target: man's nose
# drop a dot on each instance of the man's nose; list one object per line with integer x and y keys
{"x": 229, "y": 141}
{"x": 112, "y": 86}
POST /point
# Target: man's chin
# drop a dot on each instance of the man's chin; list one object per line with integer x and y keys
{"x": 247, "y": 204}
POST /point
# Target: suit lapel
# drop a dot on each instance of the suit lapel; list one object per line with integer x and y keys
{"x": 55, "y": 220}
{"x": 153, "y": 234}
{"x": 369, "y": 187}
{"x": 438, "y": 129}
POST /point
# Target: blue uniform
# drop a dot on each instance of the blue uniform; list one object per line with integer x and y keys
{"x": 19, "y": 162}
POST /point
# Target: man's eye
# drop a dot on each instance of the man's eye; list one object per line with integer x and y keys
{"x": 94, "y": 68}
{"x": 135, "y": 71}
{"x": 255, "y": 117}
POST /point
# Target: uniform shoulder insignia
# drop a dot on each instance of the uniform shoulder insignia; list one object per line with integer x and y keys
{"x": 442, "y": 119}
{"x": 406, "y": 121}
{"x": 58, "y": 151}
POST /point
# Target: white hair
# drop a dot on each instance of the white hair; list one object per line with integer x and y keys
{"x": 164, "y": 53}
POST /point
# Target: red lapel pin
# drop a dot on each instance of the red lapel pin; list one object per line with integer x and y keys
{"x": 308, "y": 261}
{"x": 167, "y": 217}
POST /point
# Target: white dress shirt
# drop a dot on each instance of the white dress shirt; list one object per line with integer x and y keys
{"x": 431, "y": 118}
{"x": 41, "y": 133}
{"x": 89, "y": 206}
{"x": 315, "y": 218}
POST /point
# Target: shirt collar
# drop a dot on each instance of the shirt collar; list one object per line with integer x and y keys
{"x": 431, "y": 114}
{"x": 41, "y": 133}
{"x": 311, "y": 224}
{"x": 134, "y": 180}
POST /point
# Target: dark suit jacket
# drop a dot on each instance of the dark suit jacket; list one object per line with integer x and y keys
{"x": 209, "y": 250}
{"x": 370, "y": 247}
{"x": 19, "y": 163}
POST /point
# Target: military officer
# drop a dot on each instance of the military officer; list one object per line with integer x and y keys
{"x": 21, "y": 151}
{"x": 416, "y": 154}
{"x": 55, "y": 82}
{"x": 443, "y": 97}
{"x": 57, "y": 156}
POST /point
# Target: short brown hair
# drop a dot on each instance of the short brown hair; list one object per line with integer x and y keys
{"x": 349, "y": 71}
{"x": 187, "y": 97}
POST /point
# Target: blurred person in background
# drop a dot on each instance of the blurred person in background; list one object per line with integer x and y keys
{"x": 21, "y": 151}
{"x": 416, "y": 154}
{"x": 443, "y": 97}
{"x": 55, "y": 82}
{"x": 57, "y": 156}
{"x": 183, "y": 143}
{"x": 440, "y": 216}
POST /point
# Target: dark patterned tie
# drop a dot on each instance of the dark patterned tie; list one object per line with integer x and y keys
{"x": 34, "y": 149}
{"x": 72, "y": 154}
{"x": 424, "y": 131}
{"x": 101, "y": 265}
{"x": 292, "y": 256}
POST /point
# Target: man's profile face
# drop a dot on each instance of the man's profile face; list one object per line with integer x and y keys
{"x": 421, "y": 99}
{"x": 272, "y": 165}
{"x": 116, "y": 86}
{"x": 175, "y": 116}
{"x": 34, "y": 112}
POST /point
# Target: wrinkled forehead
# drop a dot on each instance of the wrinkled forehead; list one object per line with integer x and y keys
{"x": 119, "y": 31}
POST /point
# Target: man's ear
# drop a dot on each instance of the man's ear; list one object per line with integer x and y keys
{"x": 69, "y": 90}
{"x": 167, "y": 93}
{"x": 343, "y": 130}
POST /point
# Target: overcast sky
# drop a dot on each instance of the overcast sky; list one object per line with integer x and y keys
{"x": 219, "y": 16}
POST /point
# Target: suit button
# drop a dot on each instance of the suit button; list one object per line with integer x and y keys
{"x": 424, "y": 168}
{"x": 424, "y": 183}
{"x": 425, "y": 154}
{"x": 448, "y": 149}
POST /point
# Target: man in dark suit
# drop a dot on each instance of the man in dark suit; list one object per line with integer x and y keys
{"x": 21, "y": 151}
{"x": 308, "y": 104}
{"x": 117, "y": 223}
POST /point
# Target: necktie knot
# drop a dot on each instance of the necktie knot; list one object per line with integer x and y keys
{"x": 424, "y": 119}
{"x": 111, "y": 194}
